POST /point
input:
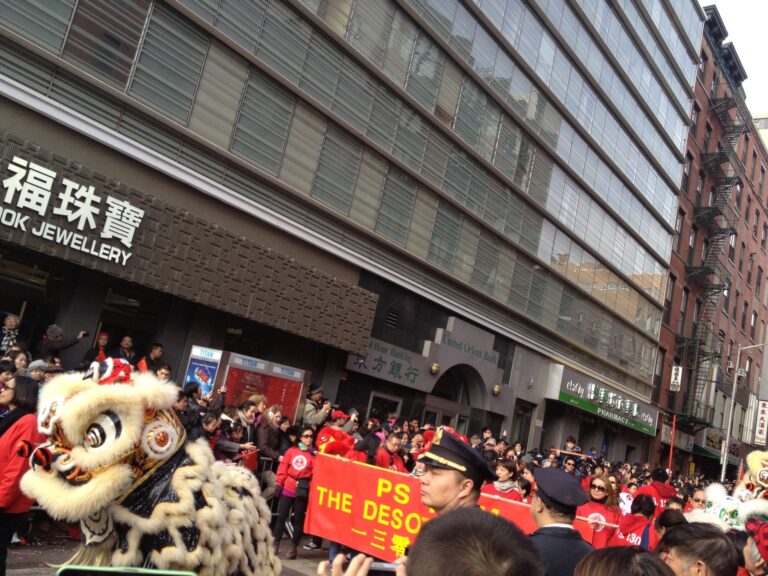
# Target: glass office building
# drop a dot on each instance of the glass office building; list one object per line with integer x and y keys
{"x": 512, "y": 165}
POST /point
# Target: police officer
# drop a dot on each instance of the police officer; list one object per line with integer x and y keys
{"x": 553, "y": 507}
{"x": 454, "y": 473}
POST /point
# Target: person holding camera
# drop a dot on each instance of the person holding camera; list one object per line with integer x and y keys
{"x": 316, "y": 409}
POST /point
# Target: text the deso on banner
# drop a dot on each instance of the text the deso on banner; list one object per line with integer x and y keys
{"x": 379, "y": 512}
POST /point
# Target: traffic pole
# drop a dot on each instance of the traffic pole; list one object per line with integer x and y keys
{"x": 672, "y": 441}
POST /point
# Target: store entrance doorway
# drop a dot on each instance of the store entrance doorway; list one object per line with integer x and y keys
{"x": 449, "y": 404}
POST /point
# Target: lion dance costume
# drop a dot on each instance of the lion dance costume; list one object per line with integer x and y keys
{"x": 117, "y": 462}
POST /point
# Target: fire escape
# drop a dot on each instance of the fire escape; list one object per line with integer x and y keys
{"x": 716, "y": 220}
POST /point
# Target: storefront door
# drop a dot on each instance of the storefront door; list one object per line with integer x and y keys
{"x": 441, "y": 412}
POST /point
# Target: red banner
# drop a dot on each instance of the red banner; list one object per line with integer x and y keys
{"x": 379, "y": 512}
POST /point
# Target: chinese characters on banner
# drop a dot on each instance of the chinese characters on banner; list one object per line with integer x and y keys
{"x": 379, "y": 512}
{"x": 761, "y": 429}
{"x": 30, "y": 188}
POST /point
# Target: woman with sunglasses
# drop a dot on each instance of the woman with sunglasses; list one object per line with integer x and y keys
{"x": 602, "y": 510}
{"x": 18, "y": 424}
{"x": 293, "y": 482}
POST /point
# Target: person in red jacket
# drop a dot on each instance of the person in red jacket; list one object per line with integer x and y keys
{"x": 636, "y": 528}
{"x": 17, "y": 425}
{"x": 601, "y": 510}
{"x": 293, "y": 480}
{"x": 388, "y": 455}
{"x": 332, "y": 439}
{"x": 658, "y": 489}
{"x": 505, "y": 486}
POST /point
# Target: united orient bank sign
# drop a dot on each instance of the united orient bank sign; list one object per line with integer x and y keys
{"x": 63, "y": 211}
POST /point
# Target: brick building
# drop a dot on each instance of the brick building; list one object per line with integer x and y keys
{"x": 716, "y": 293}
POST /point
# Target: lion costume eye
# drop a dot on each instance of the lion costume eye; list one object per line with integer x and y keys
{"x": 104, "y": 429}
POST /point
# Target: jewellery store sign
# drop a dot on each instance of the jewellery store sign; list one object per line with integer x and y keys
{"x": 66, "y": 212}
{"x": 580, "y": 391}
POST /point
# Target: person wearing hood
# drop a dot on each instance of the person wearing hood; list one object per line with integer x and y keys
{"x": 601, "y": 511}
{"x": 505, "y": 486}
{"x": 636, "y": 528}
{"x": 658, "y": 489}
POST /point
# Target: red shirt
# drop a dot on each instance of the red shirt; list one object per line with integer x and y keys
{"x": 600, "y": 512}
{"x": 386, "y": 459}
{"x": 630, "y": 532}
{"x": 296, "y": 463}
{"x": 12, "y": 500}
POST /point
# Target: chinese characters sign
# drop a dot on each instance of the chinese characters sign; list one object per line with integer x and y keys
{"x": 379, "y": 512}
{"x": 761, "y": 429}
{"x": 578, "y": 390}
{"x": 32, "y": 194}
{"x": 388, "y": 362}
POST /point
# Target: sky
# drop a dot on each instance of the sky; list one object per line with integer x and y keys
{"x": 747, "y": 24}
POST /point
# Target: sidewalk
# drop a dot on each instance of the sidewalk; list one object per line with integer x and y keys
{"x": 34, "y": 559}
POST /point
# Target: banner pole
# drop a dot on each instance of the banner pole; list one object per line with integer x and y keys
{"x": 672, "y": 441}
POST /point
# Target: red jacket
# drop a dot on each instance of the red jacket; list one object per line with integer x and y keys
{"x": 600, "y": 512}
{"x": 12, "y": 500}
{"x": 660, "y": 493}
{"x": 630, "y": 532}
{"x": 333, "y": 441}
{"x": 296, "y": 463}
{"x": 491, "y": 490}
{"x": 386, "y": 459}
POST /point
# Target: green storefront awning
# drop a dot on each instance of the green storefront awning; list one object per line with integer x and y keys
{"x": 713, "y": 454}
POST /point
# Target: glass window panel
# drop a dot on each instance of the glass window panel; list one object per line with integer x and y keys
{"x": 170, "y": 64}
{"x": 242, "y": 22}
{"x": 411, "y": 139}
{"x": 445, "y": 236}
{"x": 463, "y": 32}
{"x": 425, "y": 71}
{"x": 369, "y": 28}
{"x": 385, "y": 117}
{"x": 354, "y": 97}
{"x": 321, "y": 69}
{"x": 337, "y": 169}
{"x": 284, "y": 41}
{"x": 394, "y": 217}
{"x": 486, "y": 262}
{"x": 42, "y": 22}
{"x": 264, "y": 121}
{"x": 469, "y": 115}
{"x": 402, "y": 39}
{"x": 104, "y": 37}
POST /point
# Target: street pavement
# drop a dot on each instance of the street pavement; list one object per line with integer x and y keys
{"x": 35, "y": 560}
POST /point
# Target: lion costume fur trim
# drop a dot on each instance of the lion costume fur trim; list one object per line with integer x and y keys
{"x": 207, "y": 517}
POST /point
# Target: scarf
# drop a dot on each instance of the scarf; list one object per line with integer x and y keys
{"x": 504, "y": 486}
{"x": 9, "y": 339}
{"x": 11, "y": 417}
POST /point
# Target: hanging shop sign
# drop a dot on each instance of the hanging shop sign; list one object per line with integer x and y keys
{"x": 761, "y": 428}
{"x": 579, "y": 390}
{"x": 67, "y": 212}
{"x": 202, "y": 368}
{"x": 393, "y": 364}
{"x": 683, "y": 441}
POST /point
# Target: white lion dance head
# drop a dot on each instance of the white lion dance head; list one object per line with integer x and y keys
{"x": 117, "y": 461}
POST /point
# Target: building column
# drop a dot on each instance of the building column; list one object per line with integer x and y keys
{"x": 82, "y": 299}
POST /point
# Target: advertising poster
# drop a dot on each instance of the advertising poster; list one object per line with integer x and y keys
{"x": 379, "y": 512}
{"x": 246, "y": 376}
{"x": 202, "y": 368}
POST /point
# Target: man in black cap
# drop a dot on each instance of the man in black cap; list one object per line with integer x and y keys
{"x": 316, "y": 409}
{"x": 455, "y": 472}
{"x": 553, "y": 508}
